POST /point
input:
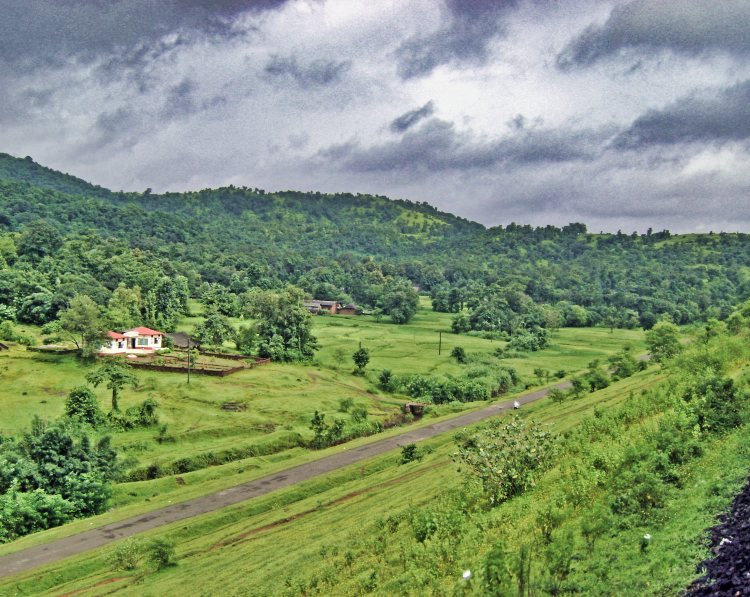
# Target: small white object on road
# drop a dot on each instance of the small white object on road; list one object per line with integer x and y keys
{"x": 516, "y": 404}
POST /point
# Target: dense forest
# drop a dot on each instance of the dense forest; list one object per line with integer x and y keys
{"x": 142, "y": 254}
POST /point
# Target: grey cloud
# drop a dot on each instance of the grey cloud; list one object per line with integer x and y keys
{"x": 721, "y": 116}
{"x": 686, "y": 26}
{"x": 409, "y": 119}
{"x": 180, "y": 99}
{"x": 437, "y": 146}
{"x": 317, "y": 73}
{"x": 465, "y": 36}
{"x": 35, "y": 33}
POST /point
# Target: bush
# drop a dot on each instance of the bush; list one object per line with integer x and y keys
{"x": 161, "y": 554}
{"x": 127, "y": 555}
{"x": 506, "y": 458}
{"x": 361, "y": 357}
{"x": 359, "y": 414}
{"x": 345, "y": 404}
{"x": 37, "y": 510}
{"x": 410, "y": 453}
{"x": 8, "y": 331}
{"x": 459, "y": 354}
{"x": 460, "y": 324}
{"x": 82, "y": 403}
{"x": 556, "y": 395}
{"x": 387, "y": 381}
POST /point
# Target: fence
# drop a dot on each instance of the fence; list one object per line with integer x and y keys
{"x": 215, "y": 370}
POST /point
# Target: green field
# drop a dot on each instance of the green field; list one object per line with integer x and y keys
{"x": 281, "y": 398}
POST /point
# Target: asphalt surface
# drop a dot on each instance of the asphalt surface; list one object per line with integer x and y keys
{"x": 51, "y": 552}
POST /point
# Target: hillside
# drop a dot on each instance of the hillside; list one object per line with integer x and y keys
{"x": 351, "y": 246}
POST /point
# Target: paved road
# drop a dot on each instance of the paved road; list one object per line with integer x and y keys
{"x": 49, "y": 553}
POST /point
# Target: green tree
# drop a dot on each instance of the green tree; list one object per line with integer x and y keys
{"x": 117, "y": 374}
{"x": 82, "y": 403}
{"x": 83, "y": 323}
{"x": 125, "y": 306}
{"x": 246, "y": 338}
{"x": 214, "y": 329}
{"x": 459, "y": 354}
{"x": 39, "y": 239}
{"x": 284, "y": 325}
{"x": 663, "y": 341}
{"x": 361, "y": 357}
{"x": 400, "y": 301}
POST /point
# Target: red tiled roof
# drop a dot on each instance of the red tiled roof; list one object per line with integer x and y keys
{"x": 146, "y": 331}
{"x": 115, "y": 336}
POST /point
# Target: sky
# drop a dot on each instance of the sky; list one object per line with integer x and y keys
{"x": 622, "y": 114}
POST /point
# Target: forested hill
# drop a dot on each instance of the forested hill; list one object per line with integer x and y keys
{"x": 91, "y": 240}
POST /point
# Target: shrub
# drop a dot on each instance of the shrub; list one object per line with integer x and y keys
{"x": 387, "y": 381}
{"x": 161, "y": 554}
{"x": 345, "y": 404}
{"x": 361, "y": 357}
{"x": 497, "y": 577}
{"x": 127, "y": 555}
{"x": 8, "y": 331}
{"x": 359, "y": 414}
{"x": 459, "y": 354}
{"x": 410, "y": 453}
{"x": 556, "y": 395}
{"x": 82, "y": 403}
{"x": 460, "y": 324}
{"x": 24, "y": 513}
{"x": 506, "y": 458}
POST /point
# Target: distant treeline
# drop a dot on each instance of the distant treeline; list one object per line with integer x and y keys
{"x": 60, "y": 236}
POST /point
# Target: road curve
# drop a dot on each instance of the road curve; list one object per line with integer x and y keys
{"x": 59, "y": 549}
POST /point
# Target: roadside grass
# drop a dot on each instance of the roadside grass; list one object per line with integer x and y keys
{"x": 133, "y": 498}
{"x": 348, "y": 533}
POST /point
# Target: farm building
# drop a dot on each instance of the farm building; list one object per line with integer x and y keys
{"x": 318, "y": 307}
{"x": 183, "y": 340}
{"x": 140, "y": 340}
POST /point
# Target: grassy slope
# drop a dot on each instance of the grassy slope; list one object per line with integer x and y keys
{"x": 272, "y": 543}
{"x": 360, "y": 493}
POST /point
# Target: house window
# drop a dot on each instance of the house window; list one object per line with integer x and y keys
{"x": 142, "y": 342}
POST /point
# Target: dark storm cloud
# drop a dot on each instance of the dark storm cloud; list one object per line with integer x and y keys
{"x": 465, "y": 36}
{"x": 688, "y": 27}
{"x": 437, "y": 146}
{"x": 409, "y": 119}
{"x": 721, "y": 116}
{"x": 36, "y": 33}
{"x": 317, "y": 73}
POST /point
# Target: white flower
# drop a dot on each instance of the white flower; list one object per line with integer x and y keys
{"x": 467, "y": 574}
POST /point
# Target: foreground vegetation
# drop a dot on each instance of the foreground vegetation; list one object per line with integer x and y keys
{"x": 640, "y": 469}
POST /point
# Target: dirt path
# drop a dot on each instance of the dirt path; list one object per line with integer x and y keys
{"x": 48, "y": 553}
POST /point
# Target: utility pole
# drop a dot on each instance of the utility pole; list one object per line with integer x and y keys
{"x": 188, "y": 360}
{"x": 440, "y": 343}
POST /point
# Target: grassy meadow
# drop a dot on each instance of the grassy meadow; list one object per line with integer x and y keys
{"x": 280, "y": 398}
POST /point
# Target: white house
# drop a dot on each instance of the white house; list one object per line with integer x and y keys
{"x": 139, "y": 340}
